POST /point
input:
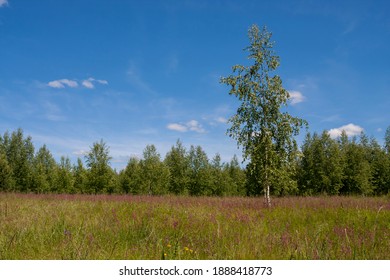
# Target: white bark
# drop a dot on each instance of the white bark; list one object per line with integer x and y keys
{"x": 268, "y": 197}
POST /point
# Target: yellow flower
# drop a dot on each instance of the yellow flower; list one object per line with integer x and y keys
{"x": 186, "y": 248}
{"x": 169, "y": 246}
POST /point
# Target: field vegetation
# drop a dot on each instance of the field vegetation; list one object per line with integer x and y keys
{"x": 176, "y": 227}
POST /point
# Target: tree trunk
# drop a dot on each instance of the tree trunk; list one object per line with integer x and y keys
{"x": 268, "y": 197}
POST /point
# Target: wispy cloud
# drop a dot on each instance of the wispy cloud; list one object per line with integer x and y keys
{"x": 192, "y": 125}
{"x": 332, "y": 118}
{"x": 77, "y": 146}
{"x": 221, "y": 120}
{"x": 216, "y": 121}
{"x": 62, "y": 83}
{"x": 218, "y": 115}
{"x": 349, "y": 16}
{"x": 53, "y": 112}
{"x": 177, "y": 127}
{"x": 296, "y": 97}
{"x": 137, "y": 81}
{"x": 172, "y": 64}
{"x": 3, "y": 3}
{"x": 350, "y": 129}
{"x": 120, "y": 159}
{"x": 88, "y": 83}
{"x": 80, "y": 153}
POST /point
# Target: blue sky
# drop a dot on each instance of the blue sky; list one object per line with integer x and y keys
{"x": 147, "y": 72}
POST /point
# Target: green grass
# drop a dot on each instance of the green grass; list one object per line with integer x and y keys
{"x": 144, "y": 227}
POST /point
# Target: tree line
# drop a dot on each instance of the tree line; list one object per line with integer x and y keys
{"x": 181, "y": 172}
{"x": 346, "y": 166}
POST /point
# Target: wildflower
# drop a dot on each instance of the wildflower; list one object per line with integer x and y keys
{"x": 186, "y": 249}
{"x": 169, "y": 245}
{"x": 68, "y": 234}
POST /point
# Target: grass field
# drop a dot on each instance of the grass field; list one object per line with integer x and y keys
{"x": 145, "y": 227}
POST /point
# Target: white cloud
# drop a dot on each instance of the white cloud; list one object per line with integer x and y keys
{"x": 350, "y": 129}
{"x": 120, "y": 159}
{"x": 103, "y": 82}
{"x": 80, "y": 153}
{"x": 296, "y": 97}
{"x": 69, "y": 83}
{"x": 55, "y": 84}
{"x": 192, "y": 125}
{"x": 221, "y": 120}
{"x": 177, "y": 127}
{"x": 89, "y": 83}
{"x": 3, "y": 3}
{"x": 62, "y": 83}
{"x": 52, "y": 112}
{"x": 134, "y": 77}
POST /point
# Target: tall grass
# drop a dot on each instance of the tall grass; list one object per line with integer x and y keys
{"x": 145, "y": 227}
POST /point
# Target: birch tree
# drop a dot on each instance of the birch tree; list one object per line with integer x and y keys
{"x": 260, "y": 127}
{"x": 44, "y": 171}
{"x": 100, "y": 176}
{"x": 178, "y": 163}
{"x": 387, "y": 140}
{"x": 154, "y": 173}
{"x": 6, "y": 181}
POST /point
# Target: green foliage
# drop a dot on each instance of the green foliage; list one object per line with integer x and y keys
{"x": 154, "y": 173}
{"x": 387, "y": 140}
{"x": 343, "y": 166}
{"x": 6, "y": 180}
{"x": 79, "y": 177}
{"x": 64, "y": 179}
{"x": 379, "y": 166}
{"x": 200, "y": 172}
{"x": 260, "y": 126}
{"x": 130, "y": 177}
{"x": 178, "y": 164}
{"x": 323, "y": 166}
{"x": 357, "y": 171}
{"x": 236, "y": 178}
{"x": 219, "y": 180}
{"x": 20, "y": 156}
{"x": 100, "y": 176}
{"x": 45, "y": 172}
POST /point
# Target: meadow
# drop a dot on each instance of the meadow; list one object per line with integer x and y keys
{"x": 172, "y": 227}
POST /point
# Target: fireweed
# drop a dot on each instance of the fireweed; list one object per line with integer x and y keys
{"x": 170, "y": 227}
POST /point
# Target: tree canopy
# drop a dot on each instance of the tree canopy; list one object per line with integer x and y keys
{"x": 325, "y": 166}
{"x": 260, "y": 126}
